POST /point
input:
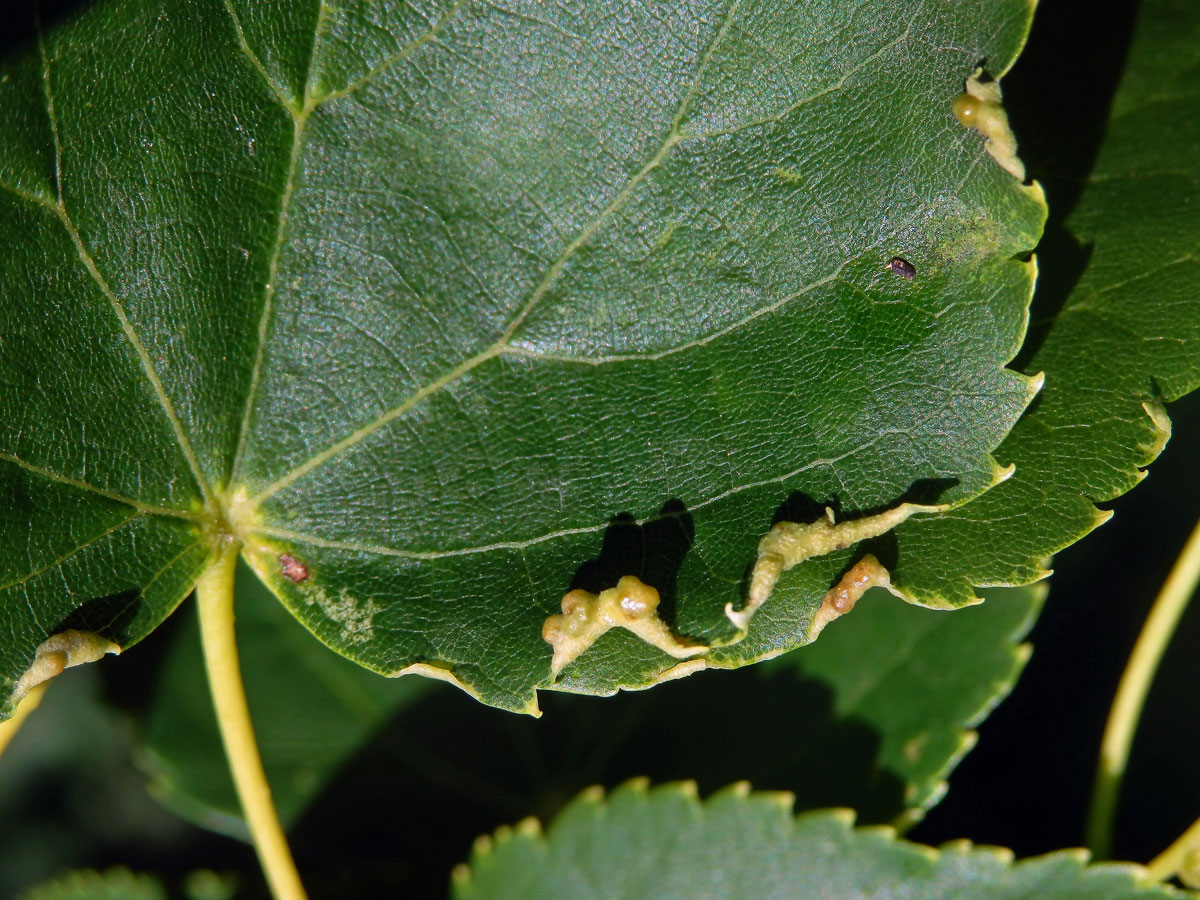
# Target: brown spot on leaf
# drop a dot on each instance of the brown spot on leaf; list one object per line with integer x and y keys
{"x": 293, "y": 570}
{"x": 840, "y": 599}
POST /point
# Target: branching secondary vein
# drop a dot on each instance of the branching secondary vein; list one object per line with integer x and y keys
{"x": 29, "y": 576}
{"x": 381, "y": 550}
{"x": 144, "y": 508}
{"x": 543, "y": 286}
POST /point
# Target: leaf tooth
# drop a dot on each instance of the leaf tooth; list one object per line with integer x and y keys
{"x": 594, "y": 793}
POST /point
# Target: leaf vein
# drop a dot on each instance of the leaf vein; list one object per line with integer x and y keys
{"x": 834, "y": 276}
{"x": 89, "y": 263}
{"x": 399, "y": 56}
{"x": 381, "y": 550}
{"x": 539, "y": 291}
{"x": 269, "y": 292}
{"x": 811, "y": 98}
{"x": 119, "y": 614}
{"x": 280, "y": 95}
{"x": 143, "y": 508}
{"x": 66, "y": 556}
{"x": 30, "y": 197}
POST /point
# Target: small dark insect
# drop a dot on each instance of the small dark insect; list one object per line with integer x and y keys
{"x": 292, "y": 569}
{"x": 902, "y": 267}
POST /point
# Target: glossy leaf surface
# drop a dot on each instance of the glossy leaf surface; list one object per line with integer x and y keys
{"x": 424, "y": 296}
{"x": 1116, "y": 325}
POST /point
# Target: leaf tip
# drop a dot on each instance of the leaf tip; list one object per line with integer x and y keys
{"x": 1035, "y": 383}
{"x": 529, "y": 827}
{"x": 740, "y": 789}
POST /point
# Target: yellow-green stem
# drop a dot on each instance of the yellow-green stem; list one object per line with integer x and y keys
{"x": 10, "y": 727}
{"x": 1131, "y": 693}
{"x": 1171, "y": 861}
{"x": 214, "y": 596}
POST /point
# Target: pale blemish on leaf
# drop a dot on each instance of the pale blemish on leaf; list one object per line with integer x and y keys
{"x": 981, "y": 108}
{"x": 914, "y": 746}
{"x": 665, "y": 238}
{"x": 632, "y": 605}
{"x": 58, "y": 652}
{"x": 788, "y": 544}
{"x": 445, "y": 672}
{"x": 354, "y": 616}
{"x": 790, "y": 175}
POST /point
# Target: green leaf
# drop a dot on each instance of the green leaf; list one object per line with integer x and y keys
{"x": 920, "y": 679}
{"x": 665, "y": 844}
{"x": 873, "y": 716}
{"x": 111, "y": 884}
{"x": 312, "y": 710}
{"x": 426, "y": 296}
{"x": 1115, "y": 344}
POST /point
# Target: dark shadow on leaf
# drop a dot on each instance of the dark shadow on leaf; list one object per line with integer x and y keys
{"x": 926, "y": 491}
{"x": 884, "y": 548}
{"x": 653, "y": 551}
{"x": 107, "y": 616}
{"x": 803, "y": 508}
{"x": 452, "y": 769}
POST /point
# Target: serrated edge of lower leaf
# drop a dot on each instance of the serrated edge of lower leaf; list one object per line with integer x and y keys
{"x": 544, "y": 837}
{"x": 76, "y": 880}
{"x": 1021, "y": 651}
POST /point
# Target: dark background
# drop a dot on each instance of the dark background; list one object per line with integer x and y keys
{"x": 80, "y": 800}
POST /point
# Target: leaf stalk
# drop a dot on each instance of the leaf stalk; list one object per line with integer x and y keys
{"x": 1177, "y": 857}
{"x": 1135, "y": 683}
{"x": 214, "y": 596}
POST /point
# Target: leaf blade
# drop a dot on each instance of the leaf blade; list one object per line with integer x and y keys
{"x": 397, "y": 298}
{"x": 672, "y": 845}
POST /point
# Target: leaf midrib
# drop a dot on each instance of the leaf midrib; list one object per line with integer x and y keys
{"x": 300, "y": 116}
{"x": 675, "y": 136}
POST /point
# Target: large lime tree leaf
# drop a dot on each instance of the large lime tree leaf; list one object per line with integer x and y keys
{"x": 666, "y": 844}
{"x": 1114, "y": 345}
{"x": 414, "y": 300}
{"x": 873, "y": 717}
